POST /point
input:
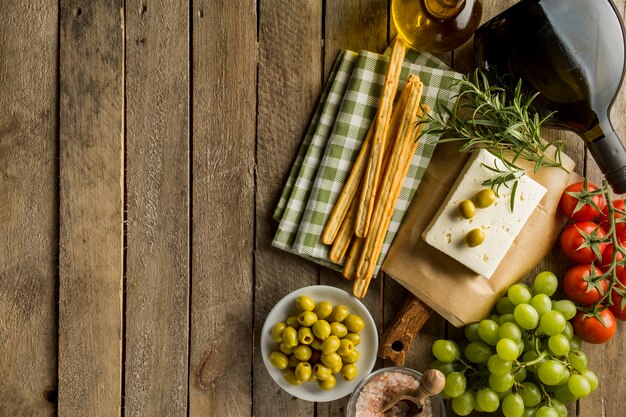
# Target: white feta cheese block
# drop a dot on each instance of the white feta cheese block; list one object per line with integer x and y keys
{"x": 448, "y": 228}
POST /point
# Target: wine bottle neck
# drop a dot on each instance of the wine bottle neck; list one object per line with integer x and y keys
{"x": 444, "y": 9}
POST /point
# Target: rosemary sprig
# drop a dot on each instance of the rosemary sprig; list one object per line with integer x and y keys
{"x": 482, "y": 116}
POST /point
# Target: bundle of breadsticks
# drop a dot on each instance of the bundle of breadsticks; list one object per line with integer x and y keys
{"x": 359, "y": 221}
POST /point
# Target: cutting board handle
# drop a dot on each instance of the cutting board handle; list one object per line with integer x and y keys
{"x": 397, "y": 339}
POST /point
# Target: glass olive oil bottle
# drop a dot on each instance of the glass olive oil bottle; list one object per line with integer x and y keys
{"x": 436, "y": 25}
{"x": 572, "y": 53}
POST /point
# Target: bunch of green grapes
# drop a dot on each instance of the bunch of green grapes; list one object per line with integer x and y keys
{"x": 317, "y": 343}
{"x": 525, "y": 358}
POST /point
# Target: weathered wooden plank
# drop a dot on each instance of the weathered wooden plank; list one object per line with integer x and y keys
{"x": 355, "y": 25}
{"x": 157, "y": 205}
{"x": 28, "y": 210}
{"x": 289, "y": 85}
{"x": 91, "y": 208}
{"x": 224, "y": 110}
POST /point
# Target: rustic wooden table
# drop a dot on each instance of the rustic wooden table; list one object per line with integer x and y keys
{"x": 143, "y": 146}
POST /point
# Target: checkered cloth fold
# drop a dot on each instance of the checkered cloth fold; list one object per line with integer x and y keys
{"x": 332, "y": 142}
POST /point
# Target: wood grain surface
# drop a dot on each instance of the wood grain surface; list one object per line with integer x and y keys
{"x": 91, "y": 209}
{"x": 143, "y": 147}
{"x": 222, "y": 221}
{"x": 157, "y": 208}
{"x": 28, "y": 208}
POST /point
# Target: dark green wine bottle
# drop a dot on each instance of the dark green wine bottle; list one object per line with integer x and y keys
{"x": 572, "y": 53}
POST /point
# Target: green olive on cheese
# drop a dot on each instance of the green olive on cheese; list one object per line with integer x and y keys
{"x": 467, "y": 209}
{"x": 475, "y": 237}
{"x": 484, "y": 198}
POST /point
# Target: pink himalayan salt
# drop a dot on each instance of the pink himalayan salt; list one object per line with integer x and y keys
{"x": 381, "y": 389}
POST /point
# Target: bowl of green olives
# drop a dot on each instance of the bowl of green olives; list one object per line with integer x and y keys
{"x": 318, "y": 343}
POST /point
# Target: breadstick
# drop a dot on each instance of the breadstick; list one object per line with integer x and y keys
{"x": 358, "y": 169}
{"x": 373, "y": 172}
{"x": 349, "y": 268}
{"x": 390, "y": 189}
{"x": 344, "y": 236}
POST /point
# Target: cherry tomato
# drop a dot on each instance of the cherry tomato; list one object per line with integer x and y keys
{"x": 572, "y": 239}
{"x": 587, "y": 212}
{"x": 592, "y": 330}
{"x": 616, "y": 308}
{"x": 603, "y": 220}
{"x": 576, "y": 288}
{"x": 607, "y": 258}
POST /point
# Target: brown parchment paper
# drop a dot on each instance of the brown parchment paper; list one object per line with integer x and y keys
{"x": 451, "y": 289}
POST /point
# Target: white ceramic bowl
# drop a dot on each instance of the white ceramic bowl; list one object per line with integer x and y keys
{"x": 368, "y": 347}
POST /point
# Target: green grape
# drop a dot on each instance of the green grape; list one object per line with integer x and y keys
{"x": 563, "y": 394}
{"x": 559, "y": 344}
{"x": 578, "y": 360}
{"x": 529, "y": 356}
{"x": 471, "y": 332}
{"x": 566, "y": 307}
{"x": 575, "y": 343}
{"x": 546, "y": 411}
{"x": 477, "y": 352}
{"x": 559, "y": 407}
{"x": 495, "y": 318}
{"x": 507, "y": 349}
{"x": 488, "y": 331}
{"x": 513, "y": 406}
{"x": 504, "y": 305}
{"x": 510, "y": 331}
{"x": 455, "y": 384}
{"x": 519, "y": 294}
{"x": 503, "y": 394}
{"x": 565, "y": 378}
{"x": 526, "y": 316}
{"x": 506, "y": 318}
{"x": 541, "y": 303}
{"x": 520, "y": 347}
{"x": 579, "y": 386}
{"x": 551, "y": 372}
{"x": 591, "y": 377}
{"x": 529, "y": 412}
{"x": 530, "y": 394}
{"x": 529, "y": 343}
{"x": 568, "y": 331}
{"x": 545, "y": 283}
{"x": 446, "y": 350}
{"x": 552, "y": 322}
{"x": 520, "y": 375}
{"x": 487, "y": 400}
{"x": 464, "y": 404}
{"x": 501, "y": 383}
{"x": 498, "y": 366}
{"x": 444, "y": 367}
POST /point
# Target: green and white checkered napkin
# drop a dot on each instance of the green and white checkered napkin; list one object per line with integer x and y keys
{"x": 332, "y": 142}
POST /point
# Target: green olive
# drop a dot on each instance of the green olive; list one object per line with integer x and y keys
{"x": 323, "y": 309}
{"x": 348, "y": 372}
{"x": 321, "y": 329}
{"x": 345, "y": 347}
{"x": 475, "y": 237}
{"x": 290, "y": 377}
{"x": 277, "y": 332}
{"x": 330, "y": 344}
{"x": 467, "y": 209}
{"x": 316, "y": 344}
{"x": 322, "y": 372}
{"x": 354, "y": 323}
{"x": 307, "y": 318}
{"x": 302, "y": 352}
{"x": 484, "y": 198}
{"x": 305, "y": 335}
{"x": 292, "y": 321}
{"x": 303, "y": 371}
{"x": 332, "y": 360}
{"x": 312, "y": 378}
{"x": 304, "y": 303}
{"x": 338, "y": 329}
{"x": 293, "y": 361}
{"x": 328, "y": 383}
{"x": 290, "y": 337}
{"x": 286, "y": 350}
{"x": 339, "y": 313}
{"x": 354, "y": 338}
{"x": 337, "y": 368}
{"x": 351, "y": 357}
{"x": 279, "y": 359}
